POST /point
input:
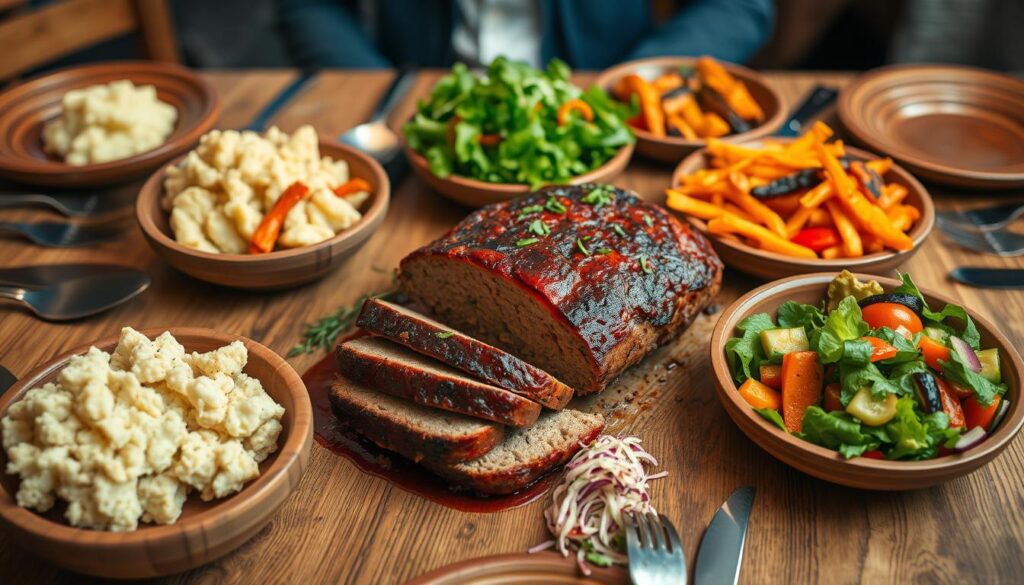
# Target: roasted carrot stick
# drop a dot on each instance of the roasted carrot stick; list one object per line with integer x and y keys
{"x": 853, "y": 246}
{"x": 352, "y": 186}
{"x": 802, "y": 376}
{"x": 730, "y": 224}
{"x": 265, "y": 236}
{"x": 650, "y": 104}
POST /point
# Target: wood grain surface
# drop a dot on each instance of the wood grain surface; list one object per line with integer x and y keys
{"x": 343, "y": 526}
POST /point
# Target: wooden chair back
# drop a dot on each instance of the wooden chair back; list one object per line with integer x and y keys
{"x": 31, "y": 37}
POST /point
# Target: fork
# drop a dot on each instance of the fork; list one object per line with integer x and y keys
{"x": 69, "y": 204}
{"x": 61, "y": 235}
{"x": 983, "y": 218}
{"x": 656, "y": 556}
{"x": 1001, "y": 243}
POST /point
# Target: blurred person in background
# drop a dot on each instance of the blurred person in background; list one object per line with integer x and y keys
{"x": 587, "y": 34}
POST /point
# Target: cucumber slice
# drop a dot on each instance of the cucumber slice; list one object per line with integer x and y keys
{"x": 990, "y": 369}
{"x": 870, "y": 410}
{"x": 937, "y": 334}
{"x": 783, "y": 341}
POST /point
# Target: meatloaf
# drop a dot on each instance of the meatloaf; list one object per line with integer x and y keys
{"x": 581, "y": 281}
{"x": 388, "y": 367}
{"x": 525, "y": 454}
{"x": 461, "y": 351}
{"x": 417, "y": 432}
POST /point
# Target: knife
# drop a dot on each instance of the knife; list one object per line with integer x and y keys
{"x": 989, "y": 277}
{"x": 7, "y": 379}
{"x": 721, "y": 550}
{"x": 817, "y": 100}
{"x": 260, "y": 121}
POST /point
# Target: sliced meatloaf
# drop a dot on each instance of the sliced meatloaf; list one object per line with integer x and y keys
{"x": 526, "y": 454}
{"x": 580, "y": 281}
{"x": 388, "y": 367}
{"x": 461, "y": 351}
{"x": 417, "y": 432}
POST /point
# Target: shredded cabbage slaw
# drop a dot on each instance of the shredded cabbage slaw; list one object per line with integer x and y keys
{"x": 601, "y": 483}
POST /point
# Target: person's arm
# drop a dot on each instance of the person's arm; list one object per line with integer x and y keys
{"x": 325, "y": 33}
{"x": 730, "y": 30}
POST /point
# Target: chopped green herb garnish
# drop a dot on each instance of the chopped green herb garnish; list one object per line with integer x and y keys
{"x": 530, "y": 209}
{"x": 539, "y": 227}
{"x": 322, "y": 333}
{"x": 554, "y": 205}
{"x": 644, "y": 265}
{"x": 604, "y": 251}
{"x": 601, "y": 195}
{"x": 618, "y": 229}
{"x": 444, "y": 334}
{"x": 526, "y": 242}
{"x": 582, "y": 246}
{"x": 648, "y": 221}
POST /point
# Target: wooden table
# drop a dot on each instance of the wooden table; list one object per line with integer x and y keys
{"x": 345, "y": 526}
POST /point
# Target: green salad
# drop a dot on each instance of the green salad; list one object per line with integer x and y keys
{"x": 515, "y": 124}
{"x": 871, "y": 373}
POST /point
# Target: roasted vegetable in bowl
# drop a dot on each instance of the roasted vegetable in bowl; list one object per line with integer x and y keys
{"x": 870, "y": 372}
{"x": 515, "y": 124}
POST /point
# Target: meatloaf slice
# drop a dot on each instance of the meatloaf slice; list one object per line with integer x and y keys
{"x": 461, "y": 351}
{"x": 582, "y": 281}
{"x": 417, "y": 432}
{"x": 388, "y": 367}
{"x": 526, "y": 454}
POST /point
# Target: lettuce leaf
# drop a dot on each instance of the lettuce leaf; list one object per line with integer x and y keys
{"x": 839, "y": 431}
{"x": 843, "y": 324}
{"x": 906, "y": 349}
{"x": 793, "y": 314}
{"x": 745, "y": 354}
{"x": 853, "y": 377}
{"x": 772, "y": 416}
{"x": 968, "y": 332}
{"x": 956, "y": 370}
{"x": 915, "y": 436}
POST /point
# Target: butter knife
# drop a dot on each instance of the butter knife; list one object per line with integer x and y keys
{"x": 1007, "y": 278}
{"x": 260, "y": 121}
{"x": 817, "y": 100}
{"x": 721, "y": 550}
{"x": 7, "y": 379}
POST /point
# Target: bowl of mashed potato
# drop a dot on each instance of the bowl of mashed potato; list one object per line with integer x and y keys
{"x": 263, "y": 210}
{"x": 104, "y": 124}
{"x": 151, "y": 453}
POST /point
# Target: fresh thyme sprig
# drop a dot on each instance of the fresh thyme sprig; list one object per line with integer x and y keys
{"x": 323, "y": 333}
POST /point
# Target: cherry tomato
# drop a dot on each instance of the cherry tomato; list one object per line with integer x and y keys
{"x": 891, "y": 315}
{"x": 873, "y": 454}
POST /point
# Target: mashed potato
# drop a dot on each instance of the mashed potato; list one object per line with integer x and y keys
{"x": 219, "y": 194}
{"x": 102, "y": 123}
{"x": 126, "y": 436}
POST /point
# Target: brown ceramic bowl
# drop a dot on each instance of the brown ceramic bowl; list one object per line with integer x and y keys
{"x": 474, "y": 193}
{"x": 742, "y": 256}
{"x": 954, "y": 125}
{"x": 546, "y": 567}
{"x": 276, "y": 270}
{"x": 860, "y": 472}
{"x": 206, "y": 530}
{"x": 672, "y": 149}
{"x": 26, "y": 108}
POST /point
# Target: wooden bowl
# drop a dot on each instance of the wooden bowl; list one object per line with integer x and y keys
{"x": 276, "y": 270}
{"x": 954, "y": 125}
{"x": 742, "y": 256}
{"x": 672, "y": 149}
{"x": 474, "y": 193}
{"x": 206, "y": 531}
{"x": 860, "y": 472}
{"x": 509, "y": 569}
{"x": 26, "y": 108}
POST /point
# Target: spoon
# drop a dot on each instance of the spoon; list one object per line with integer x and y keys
{"x": 80, "y": 297}
{"x": 375, "y": 138}
{"x": 69, "y": 205}
{"x": 61, "y": 235}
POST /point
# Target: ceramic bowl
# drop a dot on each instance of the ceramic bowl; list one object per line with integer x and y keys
{"x": 860, "y": 472}
{"x": 672, "y": 149}
{"x": 279, "y": 269}
{"x": 26, "y": 108}
{"x": 950, "y": 124}
{"x": 742, "y": 256}
{"x": 474, "y": 193}
{"x": 206, "y": 530}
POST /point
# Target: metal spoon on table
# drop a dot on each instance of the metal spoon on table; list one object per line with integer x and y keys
{"x": 79, "y": 297}
{"x": 61, "y": 235}
{"x": 71, "y": 205}
{"x": 375, "y": 138}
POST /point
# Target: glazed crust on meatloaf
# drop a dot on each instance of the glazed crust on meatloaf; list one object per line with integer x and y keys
{"x": 389, "y": 367}
{"x": 440, "y": 341}
{"x": 417, "y": 432}
{"x": 582, "y": 293}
